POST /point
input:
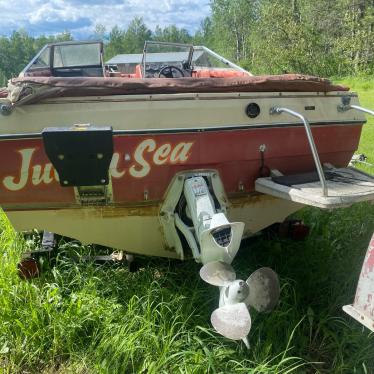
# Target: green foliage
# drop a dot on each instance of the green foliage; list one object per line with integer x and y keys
{"x": 364, "y": 86}
{"x": 322, "y": 37}
{"x": 17, "y": 51}
{"x": 204, "y": 35}
{"x": 172, "y": 34}
{"x": 82, "y": 318}
{"x": 135, "y": 35}
{"x": 132, "y": 39}
{"x": 329, "y": 37}
{"x": 232, "y": 26}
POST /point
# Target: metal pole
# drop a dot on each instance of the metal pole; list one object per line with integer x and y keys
{"x": 312, "y": 144}
{"x": 361, "y": 109}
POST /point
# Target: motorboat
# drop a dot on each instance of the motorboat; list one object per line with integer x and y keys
{"x": 177, "y": 152}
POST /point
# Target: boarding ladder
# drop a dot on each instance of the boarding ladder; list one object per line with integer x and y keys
{"x": 331, "y": 187}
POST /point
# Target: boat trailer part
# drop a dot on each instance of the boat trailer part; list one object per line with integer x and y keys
{"x": 362, "y": 309}
{"x": 28, "y": 268}
{"x": 361, "y": 159}
{"x": 260, "y": 292}
{"x": 116, "y": 257}
{"x": 294, "y": 229}
{"x": 30, "y": 264}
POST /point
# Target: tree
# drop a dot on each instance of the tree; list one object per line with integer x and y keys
{"x": 204, "y": 35}
{"x": 356, "y": 43}
{"x": 135, "y": 36}
{"x": 116, "y": 43}
{"x": 99, "y": 32}
{"x": 17, "y": 50}
{"x": 232, "y": 24}
{"x": 320, "y": 37}
{"x": 172, "y": 34}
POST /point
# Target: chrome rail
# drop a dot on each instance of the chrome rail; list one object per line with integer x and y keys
{"x": 312, "y": 144}
{"x": 344, "y": 108}
{"x": 361, "y": 109}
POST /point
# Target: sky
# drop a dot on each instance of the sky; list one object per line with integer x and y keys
{"x": 80, "y": 16}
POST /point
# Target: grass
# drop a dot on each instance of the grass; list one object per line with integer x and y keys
{"x": 365, "y": 87}
{"x": 82, "y": 318}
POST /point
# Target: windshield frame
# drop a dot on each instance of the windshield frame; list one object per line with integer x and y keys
{"x": 51, "y": 47}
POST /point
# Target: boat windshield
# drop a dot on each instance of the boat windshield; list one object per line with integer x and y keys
{"x": 71, "y": 55}
{"x": 167, "y": 60}
{"x": 67, "y": 59}
{"x": 163, "y": 59}
{"x": 159, "y": 60}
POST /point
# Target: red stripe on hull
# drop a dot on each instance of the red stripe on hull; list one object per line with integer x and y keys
{"x": 149, "y": 162}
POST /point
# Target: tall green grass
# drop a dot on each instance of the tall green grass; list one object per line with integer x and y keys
{"x": 364, "y": 86}
{"x": 82, "y": 318}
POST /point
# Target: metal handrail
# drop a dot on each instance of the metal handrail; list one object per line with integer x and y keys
{"x": 361, "y": 109}
{"x": 312, "y": 144}
{"x": 344, "y": 108}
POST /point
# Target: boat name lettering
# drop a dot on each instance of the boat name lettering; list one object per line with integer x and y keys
{"x": 147, "y": 154}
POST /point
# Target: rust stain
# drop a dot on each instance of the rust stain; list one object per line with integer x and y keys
{"x": 152, "y": 209}
{"x": 169, "y": 249}
{"x": 240, "y": 201}
{"x": 114, "y": 211}
{"x": 139, "y": 211}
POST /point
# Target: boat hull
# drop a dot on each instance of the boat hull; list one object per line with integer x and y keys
{"x": 138, "y": 230}
{"x": 155, "y": 138}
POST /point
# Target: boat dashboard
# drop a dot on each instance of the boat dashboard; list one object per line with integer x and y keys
{"x": 165, "y": 70}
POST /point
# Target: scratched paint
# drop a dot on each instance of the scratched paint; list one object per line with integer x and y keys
{"x": 144, "y": 165}
{"x": 364, "y": 300}
{"x": 44, "y": 174}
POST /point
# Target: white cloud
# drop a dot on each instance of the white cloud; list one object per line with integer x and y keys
{"x": 80, "y": 17}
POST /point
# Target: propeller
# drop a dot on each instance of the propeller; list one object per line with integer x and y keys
{"x": 218, "y": 273}
{"x": 232, "y": 321}
{"x": 260, "y": 292}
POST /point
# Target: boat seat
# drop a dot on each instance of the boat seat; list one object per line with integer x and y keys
{"x": 118, "y": 74}
{"x": 138, "y": 71}
{"x": 213, "y": 73}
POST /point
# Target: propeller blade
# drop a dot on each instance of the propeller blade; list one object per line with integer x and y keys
{"x": 264, "y": 290}
{"x": 232, "y": 321}
{"x": 218, "y": 273}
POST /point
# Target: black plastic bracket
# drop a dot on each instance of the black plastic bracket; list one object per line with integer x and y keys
{"x": 81, "y": 154}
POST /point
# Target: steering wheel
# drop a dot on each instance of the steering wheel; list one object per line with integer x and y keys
{"x": 167, "y": 71}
